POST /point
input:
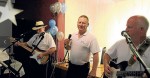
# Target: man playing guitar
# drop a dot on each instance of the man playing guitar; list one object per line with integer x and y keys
{"x": 41, "y": 45}
{"x": 136, "y": 27}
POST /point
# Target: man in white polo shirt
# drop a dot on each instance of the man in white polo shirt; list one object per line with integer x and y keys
{"x": 82, "y": 44}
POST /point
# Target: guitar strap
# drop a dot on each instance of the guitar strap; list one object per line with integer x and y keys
{"x": 141, "y": 51}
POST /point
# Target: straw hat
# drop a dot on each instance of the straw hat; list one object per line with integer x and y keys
{"x": 38, "y": 25}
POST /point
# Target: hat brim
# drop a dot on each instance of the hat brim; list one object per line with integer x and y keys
{"x": 36, "y": 28}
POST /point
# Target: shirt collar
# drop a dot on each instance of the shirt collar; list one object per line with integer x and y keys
{"x": 83, "y": 34}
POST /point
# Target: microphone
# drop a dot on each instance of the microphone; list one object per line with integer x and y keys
{"x": 127, "y": 36}
{"x": 42, "y": 34}
{"x": 68, "y": 44}
{"x": 69, "y": 36}
{"x": 69, "y": 39}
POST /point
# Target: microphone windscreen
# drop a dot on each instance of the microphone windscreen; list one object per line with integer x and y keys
{"x": 69, "y": 36}
{"x": 122, "y": 33}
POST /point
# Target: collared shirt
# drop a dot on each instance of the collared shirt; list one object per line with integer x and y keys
{"x": 122, "y": 52}
{"x": 46, "y": 43}
{"x": 82, "y": 47}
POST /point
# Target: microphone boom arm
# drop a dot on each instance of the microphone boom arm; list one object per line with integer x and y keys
{"x": 135, "y": 52}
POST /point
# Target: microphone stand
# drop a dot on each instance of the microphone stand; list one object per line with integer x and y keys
{"x": 67, "y": 53}
{"x": 11, "y": 45}
{"x": 135, "y": 52}
{"x": 16, "y": 73}
{"x": 67, "y": 50}
{"x": 63, "y": 61}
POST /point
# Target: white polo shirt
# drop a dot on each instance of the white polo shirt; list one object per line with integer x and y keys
{"x": 81, "y": 48}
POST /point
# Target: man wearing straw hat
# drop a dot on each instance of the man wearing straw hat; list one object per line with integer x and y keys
{"x": 42, "y": 45}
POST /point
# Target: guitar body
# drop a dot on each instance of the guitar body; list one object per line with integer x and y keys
{"x": 119, "y": 67}
{"x": 119, "y": 70}
{"x": 43, "y": 60}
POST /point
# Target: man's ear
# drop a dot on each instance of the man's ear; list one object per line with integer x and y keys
{"x": 88, "y": 24}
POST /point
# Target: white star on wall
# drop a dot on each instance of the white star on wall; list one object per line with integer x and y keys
{"x": 8, "y": 12}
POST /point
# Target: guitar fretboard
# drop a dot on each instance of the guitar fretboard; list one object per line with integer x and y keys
{"x": 129, "y": 73}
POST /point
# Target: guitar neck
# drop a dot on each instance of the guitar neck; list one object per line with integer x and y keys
{"x": 26, "y": 47}
{"x": 129, "y": 73}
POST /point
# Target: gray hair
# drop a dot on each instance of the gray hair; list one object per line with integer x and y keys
{"x": 141, "y": 21}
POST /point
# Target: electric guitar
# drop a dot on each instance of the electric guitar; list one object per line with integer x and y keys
{"x": 119, "y": 70}
{"x": 36, "y": 52}
{"x": 42, "y": 60}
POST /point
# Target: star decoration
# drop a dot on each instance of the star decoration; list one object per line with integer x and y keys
{"x": 8, "y": 12}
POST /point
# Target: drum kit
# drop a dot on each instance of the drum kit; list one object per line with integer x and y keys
{"x": 9, "y": 65}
